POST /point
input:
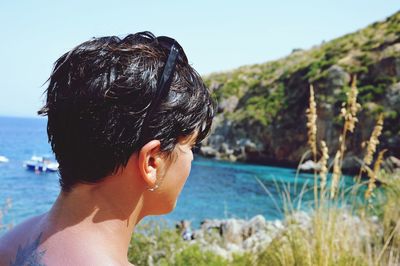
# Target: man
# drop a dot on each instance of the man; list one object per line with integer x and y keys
{"x": 123, "y": 116}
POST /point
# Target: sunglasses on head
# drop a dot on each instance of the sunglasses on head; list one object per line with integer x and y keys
{"x": 164, "y": 81}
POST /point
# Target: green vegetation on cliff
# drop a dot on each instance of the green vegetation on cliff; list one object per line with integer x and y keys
{"x": 270, "y": 99}
{"x": 357, "y": 53}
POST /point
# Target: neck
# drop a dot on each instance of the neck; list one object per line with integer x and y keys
{"x": 106, "y": 212}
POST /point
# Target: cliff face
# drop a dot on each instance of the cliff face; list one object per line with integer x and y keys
{"x": 261, "y": 116}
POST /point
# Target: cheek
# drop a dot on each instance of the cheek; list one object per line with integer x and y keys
{"x": 176, "y": 179}
{"x": 187, "y": 167}
{"x": 181, "y": 171}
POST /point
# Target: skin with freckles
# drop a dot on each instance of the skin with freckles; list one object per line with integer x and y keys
{"x": 93, "y": 223}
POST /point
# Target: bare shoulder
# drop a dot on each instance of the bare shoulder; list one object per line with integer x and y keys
{"x": 34, "y": 243}
{"x": 19, "y": 246}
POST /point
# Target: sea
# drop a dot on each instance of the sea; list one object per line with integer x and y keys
{"x": 214, "y": 190}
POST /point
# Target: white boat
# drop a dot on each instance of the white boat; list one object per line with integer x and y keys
{"x": 41, "y": 164}
{"x": 3, "y": 159}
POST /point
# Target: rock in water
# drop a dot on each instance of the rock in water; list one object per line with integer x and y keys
{"x": 310, "y": 166}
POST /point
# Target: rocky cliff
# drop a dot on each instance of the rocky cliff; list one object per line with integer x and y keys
{"x": 261, "y": 114}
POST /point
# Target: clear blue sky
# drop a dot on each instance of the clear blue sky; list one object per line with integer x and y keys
{"x": 216, "y": 35}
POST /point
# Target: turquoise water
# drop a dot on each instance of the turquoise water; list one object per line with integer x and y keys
{"x": 214, "y": 189}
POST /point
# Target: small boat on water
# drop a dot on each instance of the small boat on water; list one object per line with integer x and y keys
{"x": 3, "y": 159}
{"x": 41, "y": 164}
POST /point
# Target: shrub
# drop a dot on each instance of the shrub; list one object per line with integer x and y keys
{"x": 193, "y": 255}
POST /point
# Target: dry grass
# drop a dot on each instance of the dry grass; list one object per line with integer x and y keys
{"x": 312, "y": 132}
{"x": 324, "y": 167}
{"x": 312, "y": 123}
{"x": 373, "y": 141}
{"x": 373, "y": 175}
{"x": 343, "y": 234}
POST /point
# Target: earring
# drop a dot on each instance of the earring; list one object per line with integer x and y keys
{"x": 156, "y": 185}
{"x": 153, "y": 188}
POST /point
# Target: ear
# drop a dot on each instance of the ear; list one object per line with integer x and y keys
{"x": 149, "y": 162}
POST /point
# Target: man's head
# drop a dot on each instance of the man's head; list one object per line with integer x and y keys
{"x": 100, "y": 105}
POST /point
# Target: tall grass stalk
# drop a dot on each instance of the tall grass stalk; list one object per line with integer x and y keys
{"x": 340, "y": 233}
{"x": 312, "y": 135}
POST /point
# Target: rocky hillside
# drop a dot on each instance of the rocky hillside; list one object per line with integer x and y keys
{"x": 261, "y": 116}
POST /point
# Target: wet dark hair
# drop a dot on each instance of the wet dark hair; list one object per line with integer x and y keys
{"x": 99, "y": 95}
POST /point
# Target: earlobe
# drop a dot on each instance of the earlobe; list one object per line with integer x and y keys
{"x": 149, "y": 162}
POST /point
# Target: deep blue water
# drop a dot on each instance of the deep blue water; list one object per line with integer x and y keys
{"x": 214, "y": 189}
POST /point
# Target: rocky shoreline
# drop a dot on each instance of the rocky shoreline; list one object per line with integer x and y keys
{"x": 226, "y": 237}
{"x": 246, "y": 151}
